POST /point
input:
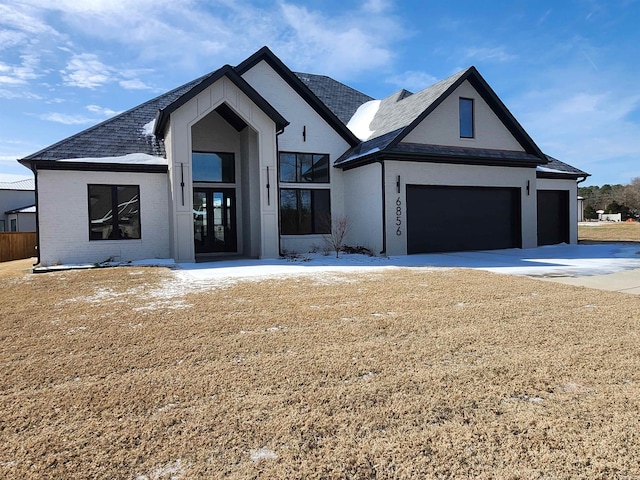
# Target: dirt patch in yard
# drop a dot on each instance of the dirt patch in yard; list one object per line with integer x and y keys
{"x": 122, "y": 373}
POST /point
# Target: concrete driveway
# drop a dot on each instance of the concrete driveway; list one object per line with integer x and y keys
{"x": 611, "y": 266}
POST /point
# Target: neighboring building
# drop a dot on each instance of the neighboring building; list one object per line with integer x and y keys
{"x": 17, "y": 206}
{"x": 581, "y": 209}
{"x": 254, "y": 160}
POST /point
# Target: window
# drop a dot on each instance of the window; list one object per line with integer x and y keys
{"x": 2, "y": 227}
{"x": 114, "y": 212}
{"x": 304, "y": 168}
{"x": 466, "y": 118}
{"x": 213, "y": 167}
{"x": 304, "y": 211}
{"x": 14, "y": 224}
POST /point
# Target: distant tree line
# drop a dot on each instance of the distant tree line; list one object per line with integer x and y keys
{"x": 623, "y": 199}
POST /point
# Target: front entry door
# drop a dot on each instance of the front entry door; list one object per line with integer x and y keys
{"x": 214, "y": 220}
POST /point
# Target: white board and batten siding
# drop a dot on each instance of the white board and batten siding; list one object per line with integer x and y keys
{"x": 64, "y": 218}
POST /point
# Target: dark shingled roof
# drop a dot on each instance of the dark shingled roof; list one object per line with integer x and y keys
{"x": 341, "y": 99}
{"x": 123, "y": 134}
{"x": 336, "y": 102}
{"x": 556, "y": 168}
{"x": 120, "y": 135}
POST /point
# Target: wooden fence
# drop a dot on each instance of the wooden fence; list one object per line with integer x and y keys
{"x": 17, "y": 245}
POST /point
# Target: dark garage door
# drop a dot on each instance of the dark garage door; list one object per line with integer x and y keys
{"x": 450, "y": 219}
{"x": 553, "y": 217}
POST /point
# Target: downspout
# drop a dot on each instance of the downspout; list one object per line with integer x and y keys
{"x": 384, "y": 211}
{"x": 277, "y": 194}
{"x": 580, "y": 181}
{"x": 34, "y": 169}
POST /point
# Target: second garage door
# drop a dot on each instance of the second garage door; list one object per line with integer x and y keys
{"x": 450, "y": 219}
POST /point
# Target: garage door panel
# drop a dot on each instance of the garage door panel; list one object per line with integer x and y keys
{"x": 448, "y": 219}
{"x": 553, "y": 217}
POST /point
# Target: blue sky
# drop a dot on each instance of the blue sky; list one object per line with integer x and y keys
{"x": 567, "y": 69}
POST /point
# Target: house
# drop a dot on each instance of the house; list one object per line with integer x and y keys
{"x": 255, "y": 160}
{"x": 17, "y": 206}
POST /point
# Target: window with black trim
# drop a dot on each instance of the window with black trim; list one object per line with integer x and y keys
{"x": 304, "y": 167}
{"x": 213, "y": 167}
{"x": 114, "y": 212}
{"x": 14, "y": 224}
{"x": 304, "y": 211}
{"x": 2, "y": 227}
{"x": 466, "y": 118}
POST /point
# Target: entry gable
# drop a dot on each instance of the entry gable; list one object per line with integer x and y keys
{"x": 294, "y": 81}
{"x": 164, "y": 114}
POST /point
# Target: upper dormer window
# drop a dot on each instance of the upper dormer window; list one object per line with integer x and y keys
{"x": 466, "y": 118}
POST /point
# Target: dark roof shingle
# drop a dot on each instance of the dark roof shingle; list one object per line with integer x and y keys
{"x": 341, "y": 99}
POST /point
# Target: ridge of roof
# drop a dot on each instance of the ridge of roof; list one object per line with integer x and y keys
{"x": 399, "y": 110}
{"x": 341, "y": 99}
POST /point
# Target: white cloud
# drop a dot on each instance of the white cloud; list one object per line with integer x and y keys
{"x": 66, "y": 119}
{"x": 107, "y": 112}
{"x": 412, "y": 80}
{"x": 19, "y": 74}
{"x": 18, "y": 94}
{"x": 376, "y": 6}
{"x": 86, "y": 71}
{"x": 498, "y": 54}
{"x": 134, "y": 84}
{"x": 583, "y": 125}
{"x": 338, "y": 46}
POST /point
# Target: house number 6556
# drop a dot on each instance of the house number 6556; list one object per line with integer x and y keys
{"x": 398, "y": 216}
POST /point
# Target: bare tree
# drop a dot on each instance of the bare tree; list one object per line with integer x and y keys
{"x": 337, "y": 232}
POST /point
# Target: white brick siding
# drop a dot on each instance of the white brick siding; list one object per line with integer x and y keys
{"x": 64, "y": 218}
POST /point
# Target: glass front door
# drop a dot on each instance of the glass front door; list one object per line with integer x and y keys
{"x": 214, "y": 220}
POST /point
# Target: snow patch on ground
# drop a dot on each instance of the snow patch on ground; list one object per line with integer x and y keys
{"x": 262, "y": 454}
{"x": 550, "y": 261}
{"x": 170, "y": 471}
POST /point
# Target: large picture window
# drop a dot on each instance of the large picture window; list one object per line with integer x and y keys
{"x": 114, "y": 212}
{"x": 213, "y": 167}
{"x": 466, "y": 118}
{"x": 304, "y": 211}
{"x": 304, "y": 167}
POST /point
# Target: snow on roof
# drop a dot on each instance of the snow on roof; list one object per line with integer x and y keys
{"x": 28, "y": 184}
{"x": 132, "y": 158}
{"x": 147, "y": 129}
{"x": 29, "y": 209}
{"x": 550, "y": 170}
{"x": 359, "y": 123}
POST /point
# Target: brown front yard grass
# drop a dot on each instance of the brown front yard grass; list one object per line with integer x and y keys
{"x": 610, "y": 232}
{"x": 122, "y": 373}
